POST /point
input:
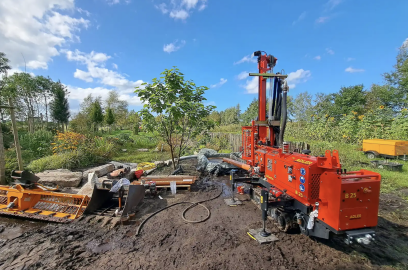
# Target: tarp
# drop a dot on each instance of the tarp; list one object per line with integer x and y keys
{"x": 216, "y": 168}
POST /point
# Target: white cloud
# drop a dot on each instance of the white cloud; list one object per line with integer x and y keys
{"x": 243, "y": 75}
{"x": 95, "y": 63}
{"x": 298, "y": 76}
{"x": 329, "y": 51}
{"x": 350, "y": 59}
{"x": 353, "y": 70}
{"x": 189, "y": 3}
{"x": 405, "y": 43}
{"x": 202, "y": 7}
{"x": 86, "y": 12}
{"x": 181, "y": 9}
{"x": 322, "y": 19}
{"x": 114, "y": 66}
{"x": 113, "y": 2}
{"x": 317, "y": 57}
{"x": 220, "y": 83}
{"x": 331, "y": 4}
{"x": 175, "y": 46}
{"x": 179, "y": 14}
{"x": 36, "y": 30}
{"x": 83, "y": 75}
{"x": 300, "y": 18}
{"x": 248, "y": 58}
{"x": 162, "y": 7}
{"x": 251, "y": 85}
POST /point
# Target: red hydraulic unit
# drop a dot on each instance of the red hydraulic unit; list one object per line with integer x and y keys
{"x": 312, "y": 193}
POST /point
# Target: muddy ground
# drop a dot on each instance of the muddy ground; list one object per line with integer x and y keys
{"x": 168, "y": 242}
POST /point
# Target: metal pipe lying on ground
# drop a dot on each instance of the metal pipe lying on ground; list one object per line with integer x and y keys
{"x": 167, "y": 177}
{"x": 166, "y": 183}
{"x": 237, "y": 163}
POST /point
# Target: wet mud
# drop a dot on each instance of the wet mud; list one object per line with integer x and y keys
{"x": 167, "y": 242}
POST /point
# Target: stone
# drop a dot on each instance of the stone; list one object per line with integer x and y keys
{"x": 124, "y": 165}
{"x": 86, "y": 190}
{"x": 100, "y": 170}
{"x": 60, "y": 177}
{"x": 143, "y": 150}
{"x": 124, "y": 150}
{"x": 159, "y": 164}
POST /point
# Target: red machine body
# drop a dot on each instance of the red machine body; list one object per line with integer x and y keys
{"x": 345, "y": 200}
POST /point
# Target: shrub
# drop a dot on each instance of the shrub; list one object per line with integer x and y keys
{"x": 37, "y": 142}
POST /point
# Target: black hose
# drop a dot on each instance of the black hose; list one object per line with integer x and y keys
{"x": 284, "y": 116}
{"x": 193, "y": 204}
{"x": 273, "y": 101}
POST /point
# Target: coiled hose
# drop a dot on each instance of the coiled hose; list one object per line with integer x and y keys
{"x": 193, "y": 204}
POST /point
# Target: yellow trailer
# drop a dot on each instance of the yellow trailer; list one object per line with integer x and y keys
{"x": 385, "y": 148}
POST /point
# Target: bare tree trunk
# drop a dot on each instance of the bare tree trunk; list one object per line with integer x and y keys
{"x": 2, "y": 160}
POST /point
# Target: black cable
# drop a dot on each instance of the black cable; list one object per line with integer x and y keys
{"x": 193, "y": 204}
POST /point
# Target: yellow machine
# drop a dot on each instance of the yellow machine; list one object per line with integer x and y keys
{"x": 385, "y": 148}
{"x": 26, "y": 198}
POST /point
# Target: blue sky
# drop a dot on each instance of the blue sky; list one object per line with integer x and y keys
{"x": 96, "y": 46}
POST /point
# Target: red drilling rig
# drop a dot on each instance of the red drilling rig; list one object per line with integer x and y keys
{"x": 296, "y": 189}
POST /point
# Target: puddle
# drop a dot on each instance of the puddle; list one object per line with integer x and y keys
{"x": 11, "y": 228}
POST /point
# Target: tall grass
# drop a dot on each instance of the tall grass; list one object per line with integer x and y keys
{"x": 37, "y": 142}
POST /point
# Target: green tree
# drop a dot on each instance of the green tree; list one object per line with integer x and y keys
{"x": 398, "y": 80}
{"x": 230, "y": 116}
{"x": 215, "y": 117}
{"x": 60, "y": 106}
{"x": 174, "y": 110}
{"x": 324, "y": 104}
{"x": 119, "y": 108}
{"x": 251, "y": 112}
{"x": 302, "y": 108}
{"x": 134, "y": 120}
{"x": 109, "y": 117}
{"x": 352, "y": 98}
{"x": 96, "y": 114}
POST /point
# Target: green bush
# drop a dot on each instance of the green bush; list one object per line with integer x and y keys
{"x": 38, "y": 142}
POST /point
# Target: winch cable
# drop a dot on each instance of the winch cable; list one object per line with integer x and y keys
{"x": 193, "y": 204}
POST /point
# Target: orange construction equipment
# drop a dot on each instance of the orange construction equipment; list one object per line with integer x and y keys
{"x": 385, "y": 148}
{"x": 26, "y": 198}
{"x": 299, "y": 190}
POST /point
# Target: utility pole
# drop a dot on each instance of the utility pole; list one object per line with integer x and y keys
{"x": 15, "y": 133}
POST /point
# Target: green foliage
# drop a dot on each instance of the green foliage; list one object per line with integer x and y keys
{"x": 109, "y": 117}
{"x": 380, "y": 123}
{"x": 92, "y": 151}
{"x": 174, "y": 109}
{"x": 251, "y": 113}
{"x": 60, "y": 106}
{"x": 398, "y": 79}
{"x": 301, "y": 107}
{"x": 37, "y": 142}
{"x": 230, "y": 116}
{"x": 96, "y": 114}
{"x": 352, "y": 98}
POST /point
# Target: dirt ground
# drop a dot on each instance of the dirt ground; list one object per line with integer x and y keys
{"x": 168, "y": 242}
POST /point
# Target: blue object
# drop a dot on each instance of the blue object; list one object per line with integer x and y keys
{"x": 302, "y": 171}
{"x": 302, "y": 179}
{"x": 302, "y": 188}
